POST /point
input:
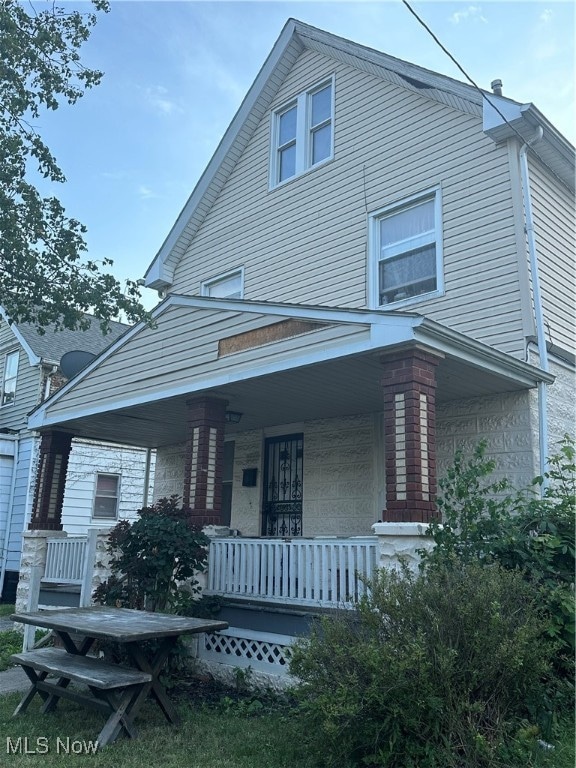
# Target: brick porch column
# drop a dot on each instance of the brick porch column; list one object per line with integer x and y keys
{"x": 409, "y": 384}
{"x": 50, "y": 481}
{"x": 204, "y": 459}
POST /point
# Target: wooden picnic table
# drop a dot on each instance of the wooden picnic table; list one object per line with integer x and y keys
{"x": 118, "y": 690}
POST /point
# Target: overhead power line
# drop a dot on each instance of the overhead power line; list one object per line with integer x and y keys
{"x": 461, "y": 68}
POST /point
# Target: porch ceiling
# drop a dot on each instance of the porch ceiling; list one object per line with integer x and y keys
{"x": 340, "y": 387}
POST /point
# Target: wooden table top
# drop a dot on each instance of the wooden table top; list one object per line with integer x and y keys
{"x": 121, "y": 624}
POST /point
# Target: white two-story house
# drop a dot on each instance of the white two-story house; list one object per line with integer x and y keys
{"x": 376, "y": 267}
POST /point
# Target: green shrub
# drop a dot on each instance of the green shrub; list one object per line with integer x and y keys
{"x": 152, "y": 556}
{"x": 518, "y": 531}
{"x": 435, "y": 670}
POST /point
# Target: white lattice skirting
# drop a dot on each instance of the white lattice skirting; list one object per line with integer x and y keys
{"x": 261, "y": 651}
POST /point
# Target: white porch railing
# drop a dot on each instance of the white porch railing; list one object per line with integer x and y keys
{"x": 319, "y": 572}
{"x": 65, "y": 560}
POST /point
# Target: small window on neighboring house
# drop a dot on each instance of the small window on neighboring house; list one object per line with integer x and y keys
{"x": 106, "y": 497}
{"x": 303, "y": 133}
{"x": 228, "y": 286}
{"x": 407, "y": 250}
{"x": 9, "y": 376}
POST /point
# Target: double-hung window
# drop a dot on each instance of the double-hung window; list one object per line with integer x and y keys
{"x": 407, "y": 250}
{"x": 106, "y": 496}
{"x": 227, "y": 286}
{"x": 303, "y": 133}
{"x": 9, "y": 376}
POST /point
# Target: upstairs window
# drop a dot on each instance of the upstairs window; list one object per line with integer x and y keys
{"x": 302, "y": 133}
{"x": 106, "y": 496}
{"x": 9, "y": 377}
{"x": 407, "y": 245}
{"x": 226, "y": 286}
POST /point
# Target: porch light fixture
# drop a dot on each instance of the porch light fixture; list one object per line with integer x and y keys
{"x": 233, "y": 417}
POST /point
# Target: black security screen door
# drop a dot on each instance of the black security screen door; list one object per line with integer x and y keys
{"x": 282, "y": 505}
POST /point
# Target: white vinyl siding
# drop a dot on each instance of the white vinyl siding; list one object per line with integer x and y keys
{"x": 87, "y": 459}
{"x": 306, "y": 241}
{"x": 302, "y": 133}
{"x": 20, "y": 503}
{"x": 28, "y": 384}
{"x": 554, "y": 225}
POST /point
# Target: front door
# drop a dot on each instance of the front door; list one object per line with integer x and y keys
{"x": 282, "y": 503}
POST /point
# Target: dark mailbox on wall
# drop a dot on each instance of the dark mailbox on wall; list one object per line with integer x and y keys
{"x": 249, "y": 477}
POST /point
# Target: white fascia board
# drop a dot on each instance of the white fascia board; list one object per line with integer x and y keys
{"x": 159, "y": 274}
{"x": 33, "y": 358}
{"x": 297, "y": 311}
{"x": 498, "y": 112}
{"x": 455, "y": 345}
{"x": 288, "y": 361}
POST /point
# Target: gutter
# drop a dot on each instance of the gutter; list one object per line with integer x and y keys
{"x": 453, "y": 343}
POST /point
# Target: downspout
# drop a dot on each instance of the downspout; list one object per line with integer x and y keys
{"x": 538, "y": 314}
{"x": 6, "y": 537}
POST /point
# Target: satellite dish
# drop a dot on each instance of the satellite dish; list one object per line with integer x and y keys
{"x": 73, "y": 362}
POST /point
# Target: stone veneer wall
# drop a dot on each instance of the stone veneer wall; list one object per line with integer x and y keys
{"x": 32, "y": 565}
{"x": 169, "y": 471}
{"x": 503, "y": 421}
{"x": 509, "y": 424}
{"x": 246, "y": 501}
{"x": 341, "y": 497}
{"x": 561, "y": 398}
{"x": 340, "y": 493}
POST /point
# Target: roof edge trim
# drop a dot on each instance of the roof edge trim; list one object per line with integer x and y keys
{"x": 33, "y": 358}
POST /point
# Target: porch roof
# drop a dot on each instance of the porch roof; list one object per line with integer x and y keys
{"x": 274, "y": 363}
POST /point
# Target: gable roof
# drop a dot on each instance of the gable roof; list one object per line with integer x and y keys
{"x": 295, "y": 38}
{"x": 50, "y": 346}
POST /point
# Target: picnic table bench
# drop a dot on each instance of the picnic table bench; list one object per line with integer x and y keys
{"x": 115, "y": 690}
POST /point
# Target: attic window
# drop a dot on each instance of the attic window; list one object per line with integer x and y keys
{"x": 226, "y": 286}
{"x": 303, "y": 133}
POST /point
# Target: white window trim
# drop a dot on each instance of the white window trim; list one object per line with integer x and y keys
{"x": 118, "y": 496}
{"x": 205, "y": 285}
{"x": 373, "y": 256}
{"x": 3, "y": 380}
{"x": 303, "y": 133}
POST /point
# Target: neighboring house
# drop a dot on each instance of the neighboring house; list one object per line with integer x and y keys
{"x": 349, "y": 298}
{"x": 105, "y": 482}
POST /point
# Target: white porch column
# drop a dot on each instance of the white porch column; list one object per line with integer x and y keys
{"x": 400, "y": 542}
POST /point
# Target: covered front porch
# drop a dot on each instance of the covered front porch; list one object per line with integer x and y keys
{"x": 305, "y": 440}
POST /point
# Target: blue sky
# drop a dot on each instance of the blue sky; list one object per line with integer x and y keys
{"x": 175, "y": 73}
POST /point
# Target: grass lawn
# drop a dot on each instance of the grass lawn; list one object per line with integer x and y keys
{"x": 6, "y": 609}
{"x": 206, "y": 738}
{"x": 221, "y": 735}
